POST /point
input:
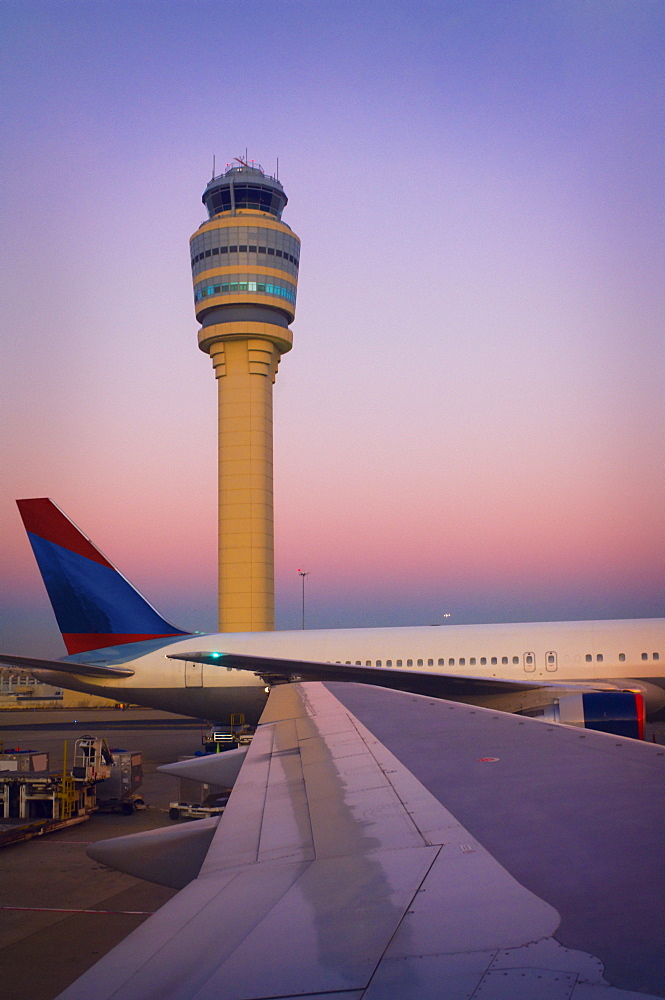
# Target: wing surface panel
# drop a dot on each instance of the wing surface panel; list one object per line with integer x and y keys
{"x": 334, "y": 872}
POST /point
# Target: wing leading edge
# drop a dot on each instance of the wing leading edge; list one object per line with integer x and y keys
{"x": 334, "y": 872}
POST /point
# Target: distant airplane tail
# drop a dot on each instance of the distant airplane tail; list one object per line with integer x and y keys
{"x": 94, "y": 604}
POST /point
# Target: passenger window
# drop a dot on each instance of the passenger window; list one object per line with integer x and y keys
{"x": 430, "y": 663}
{"x": 550, "y": 657}
{"x": 389, "y": 663}
{"x": 656, "y": 656}
{"x": 494, "y": 661}
{"x": 398, "y": 663}
{"x": 599, "y": 657}
{"x": 462, "y": 661}
{"x": 483, "y": 660}
{"x": 419, "y": 663}
{"x": 516, "y": 659}
{"x": 451, "y": 661}
{"x": 441, "y": 662}
{"x": 378, "y": 663}
{"x": 472, "y": 661}
{"x": 409, "y": 663}
{"x": 358, "y": 663}
{"x": 529, "y": 659}
{"x": 645, "y": 656}
{"x": 368, "y": 663}
{"x": 622, "y": 657}
{"x": 588, "y": 657}
{"x": 504, "y": 659}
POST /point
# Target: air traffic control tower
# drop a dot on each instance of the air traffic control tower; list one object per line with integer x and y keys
{"x": 245, "y": 272}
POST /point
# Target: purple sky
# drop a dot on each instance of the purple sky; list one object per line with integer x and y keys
{"x": 471, "y": 418}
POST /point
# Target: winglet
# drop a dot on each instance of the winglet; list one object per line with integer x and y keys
{"x": 94, "y": 604}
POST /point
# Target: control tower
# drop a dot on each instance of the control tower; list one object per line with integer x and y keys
{"x": 245, "y": 273}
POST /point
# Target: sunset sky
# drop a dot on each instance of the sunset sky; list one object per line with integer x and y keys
{"x": 471, "y": 419}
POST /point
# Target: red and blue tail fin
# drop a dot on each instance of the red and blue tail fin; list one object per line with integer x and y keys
{"x": 94, "y": 604}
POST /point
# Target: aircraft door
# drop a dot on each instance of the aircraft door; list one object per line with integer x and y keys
{"x": 193, "y": 674}
{"x": 529, "y": 662}
{"x": 551, "y": 660}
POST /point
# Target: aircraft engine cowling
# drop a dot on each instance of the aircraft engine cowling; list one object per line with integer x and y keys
{"x": 621, "y": 713}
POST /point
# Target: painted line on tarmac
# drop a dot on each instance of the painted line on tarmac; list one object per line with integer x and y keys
{"x": 60, "y": 909}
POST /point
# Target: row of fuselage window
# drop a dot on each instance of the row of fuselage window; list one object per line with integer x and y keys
{"x": 234, "y": 287}
{"x": 244, "y": 248}
{"x": 529, "y": 660}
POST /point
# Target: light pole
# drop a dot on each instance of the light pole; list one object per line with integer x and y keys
{"x": 303, "y": 574}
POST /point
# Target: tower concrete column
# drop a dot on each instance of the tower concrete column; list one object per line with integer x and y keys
{"x": 244, "y": 264}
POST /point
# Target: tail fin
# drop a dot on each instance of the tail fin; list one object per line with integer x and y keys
{"x": 94, "y": 604}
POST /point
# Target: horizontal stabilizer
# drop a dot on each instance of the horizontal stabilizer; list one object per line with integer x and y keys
{"x": 215, "y": 768}
{"x": 64, "y": 666}
{"x": 169, "y": 856}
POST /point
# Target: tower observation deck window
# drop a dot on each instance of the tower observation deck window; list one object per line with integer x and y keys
{"x": 245, "y": 283}
{"x": 256, "y": 196}
{"x": 260, "y": 197}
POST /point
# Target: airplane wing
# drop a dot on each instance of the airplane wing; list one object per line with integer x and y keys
{"x": 433, "y": 684}
{"x": 336, "y": 874}
{"x": 64, "y": 666}
{"x": 602, "y": 705}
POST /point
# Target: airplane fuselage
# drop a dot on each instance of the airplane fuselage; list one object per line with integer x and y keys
{"x": 623, "y": 652}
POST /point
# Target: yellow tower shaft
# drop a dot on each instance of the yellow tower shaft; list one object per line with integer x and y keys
{"x": 245, "y": 356}
{"x": 245, "y": 371}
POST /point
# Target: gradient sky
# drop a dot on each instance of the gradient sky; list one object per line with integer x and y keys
{"x": 471, "y": 418}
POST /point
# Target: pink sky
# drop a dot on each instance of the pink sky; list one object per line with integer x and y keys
{"x": 471, "y": 418}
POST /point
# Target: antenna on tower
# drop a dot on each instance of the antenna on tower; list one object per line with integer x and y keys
{"x": 213, "y": 167}
{"x": 277, "y": 175}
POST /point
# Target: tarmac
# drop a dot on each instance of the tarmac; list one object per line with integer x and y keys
{"x": 59, "y": 910}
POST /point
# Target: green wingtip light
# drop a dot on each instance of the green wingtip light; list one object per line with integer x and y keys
{"x": 215, "y": 655}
